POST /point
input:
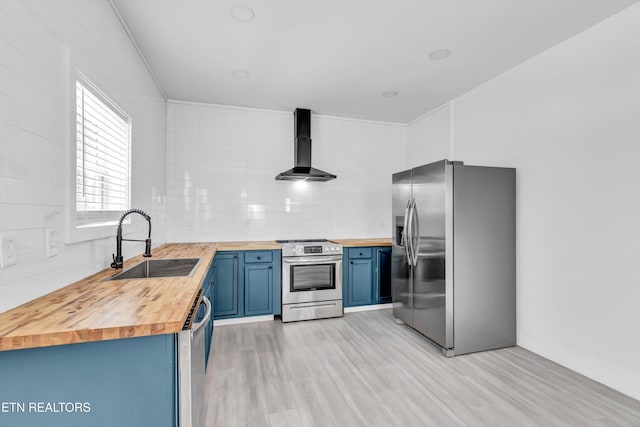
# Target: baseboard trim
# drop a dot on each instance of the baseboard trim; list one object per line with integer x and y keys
{"x": 367, "y": 307}
{"x": 621, "y": 380}
{"x": 268, "y": 318}
{"x": 240, "y": 320}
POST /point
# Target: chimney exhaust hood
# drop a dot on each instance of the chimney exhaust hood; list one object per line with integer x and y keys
{"x": 302, "y": 170}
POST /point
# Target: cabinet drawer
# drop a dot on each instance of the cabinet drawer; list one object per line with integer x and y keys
{"x": 360, "y": 253}
{"x": 258, "y": 256}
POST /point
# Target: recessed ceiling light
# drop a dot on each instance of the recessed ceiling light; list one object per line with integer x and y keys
{"x": 240, "y": 73}
{"x": 389, "y": 94}
{"x": 242, "y": 13}
{"x": 439, "y": 54}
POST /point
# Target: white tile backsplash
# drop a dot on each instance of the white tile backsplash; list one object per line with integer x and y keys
{"x": 38, "y": 41}
{"x": 3, "y": 192}
{"x": 3, "y": 295}
{"x": 41, "y": 167}
{"x": 223, "y": 162}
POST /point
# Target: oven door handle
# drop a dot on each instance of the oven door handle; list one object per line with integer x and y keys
{"x": 311, "y": 260}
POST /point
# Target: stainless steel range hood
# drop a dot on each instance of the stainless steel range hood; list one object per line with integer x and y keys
{"x": 302, "y": 170}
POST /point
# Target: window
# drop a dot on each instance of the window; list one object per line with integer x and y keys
{"x": 102, "y": 158}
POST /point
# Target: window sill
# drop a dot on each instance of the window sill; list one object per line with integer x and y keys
{"x": 91, "y": 232}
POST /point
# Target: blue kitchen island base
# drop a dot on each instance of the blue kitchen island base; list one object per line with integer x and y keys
{"x": 123, "y": 382}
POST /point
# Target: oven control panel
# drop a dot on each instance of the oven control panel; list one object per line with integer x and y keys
{"x": 320, "y": 249}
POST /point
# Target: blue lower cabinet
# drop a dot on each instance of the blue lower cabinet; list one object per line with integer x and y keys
{"x": 226, "y": 290}
{"x": 246, "y": 283}
{"x": 122, "y": 382}
{"x": 258, "y": 289}
{"x": 360, "y": 280}
{"x": 366, "y": 276}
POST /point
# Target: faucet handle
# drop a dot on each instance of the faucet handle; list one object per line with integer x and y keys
{"x": 147, "y": 248}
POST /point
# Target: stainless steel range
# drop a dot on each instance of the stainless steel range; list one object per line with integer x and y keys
{"x": 311, "y": 279}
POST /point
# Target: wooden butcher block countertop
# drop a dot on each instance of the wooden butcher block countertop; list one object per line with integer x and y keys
{"x": 362, "y": 242}
{"x": 96, "y": 309}
{"x": 93, "y": 309}
{"x": 248, "y": 246}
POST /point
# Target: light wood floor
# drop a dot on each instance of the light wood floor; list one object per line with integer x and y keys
{"x": 365, "y": 370}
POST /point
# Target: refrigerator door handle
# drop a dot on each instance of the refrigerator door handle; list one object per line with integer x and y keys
{"x": 410, "y": 231}
{"x": 406, "y": 233}
{"x": 405, "y": 230}
{"x": 415, "y": 238}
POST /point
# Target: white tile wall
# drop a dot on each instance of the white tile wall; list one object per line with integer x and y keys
{"x": 222, "y": 162}
{"x": 38, "y": 39}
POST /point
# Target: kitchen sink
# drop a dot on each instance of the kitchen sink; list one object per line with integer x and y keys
{"x": 159, "y": 268}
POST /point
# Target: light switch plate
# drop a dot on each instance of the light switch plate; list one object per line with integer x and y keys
{"x": 8, "y": 249}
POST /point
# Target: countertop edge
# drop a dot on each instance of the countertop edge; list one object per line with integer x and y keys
{"x": 354, "y": 243}
{"x": 86, "y": 335}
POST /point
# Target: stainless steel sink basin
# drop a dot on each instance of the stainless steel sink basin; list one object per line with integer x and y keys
{"x": 159, "y": 268}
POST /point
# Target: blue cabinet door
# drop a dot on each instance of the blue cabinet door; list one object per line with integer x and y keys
{"x": 258, "y": 289}
{"x": 226, "y": 298}
{"x": 360, "y": 279}
{"x": 382, "y": 288}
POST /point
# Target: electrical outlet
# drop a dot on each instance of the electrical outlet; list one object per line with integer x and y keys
{"x": 8, "y": 250}
{"x": 381, "y": 224}
{"x": 51, "y": 241}
{"x": 338, "y": 224}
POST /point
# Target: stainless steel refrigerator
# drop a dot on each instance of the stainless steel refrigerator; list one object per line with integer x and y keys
{"x": 453, "y": 255}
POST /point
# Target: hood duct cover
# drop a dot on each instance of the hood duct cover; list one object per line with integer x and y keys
{"x": 302, "y": 170}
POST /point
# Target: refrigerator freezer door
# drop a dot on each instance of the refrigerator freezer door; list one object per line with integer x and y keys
{"x": 429, "y": 286}
{"x": 401, "y": 271}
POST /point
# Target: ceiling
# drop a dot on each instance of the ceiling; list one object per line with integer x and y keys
{"x": 337, "y": 57}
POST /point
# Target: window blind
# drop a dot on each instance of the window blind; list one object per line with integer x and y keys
{"x": 102, "y": 158}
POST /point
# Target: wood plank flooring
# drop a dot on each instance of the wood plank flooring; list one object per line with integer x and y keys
{"x": 365, "y": 370}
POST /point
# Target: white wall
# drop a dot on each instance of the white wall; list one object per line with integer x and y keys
{"x": 569, "y": 121}
{"x": 39, "y": 40}
{"x": 429, "y": 137}
{"x": 222, "y": 162}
